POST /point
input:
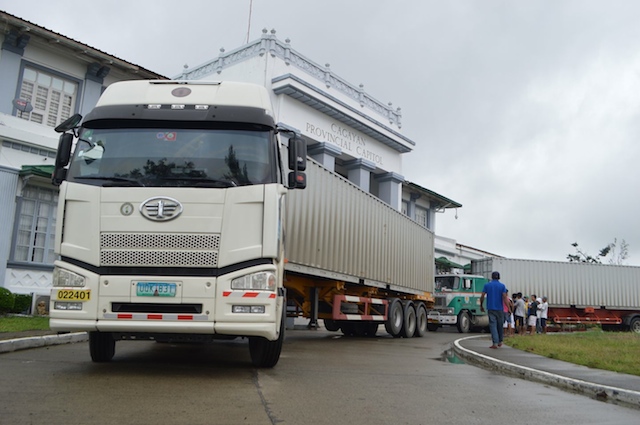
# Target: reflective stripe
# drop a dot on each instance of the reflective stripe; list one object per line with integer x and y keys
{"x": 155, "y": 316}
{"x": 241, "y": 294}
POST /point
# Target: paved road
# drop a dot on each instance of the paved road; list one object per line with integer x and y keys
{"x": 321, "y": 379}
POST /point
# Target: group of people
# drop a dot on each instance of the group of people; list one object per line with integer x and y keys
{"x": 519, "y": 314}
{"x": 526, "y": 315}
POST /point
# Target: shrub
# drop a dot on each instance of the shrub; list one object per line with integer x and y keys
{"x": 7, "y": 300}
{"x": 22, "y": 304}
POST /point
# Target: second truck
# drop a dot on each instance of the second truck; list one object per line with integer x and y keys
{"x": 578, "y": 293}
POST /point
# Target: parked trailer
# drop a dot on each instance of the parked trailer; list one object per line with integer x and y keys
{"x": 354, "y": 261}
{"x": 174, "y": 222}
{"x": 578, "y": 293}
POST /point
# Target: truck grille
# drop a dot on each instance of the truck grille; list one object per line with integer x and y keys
{"x": 440, "y": 302}
{"x": 161, "y": 250}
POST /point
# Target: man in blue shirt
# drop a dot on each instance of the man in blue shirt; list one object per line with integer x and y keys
{"x": 496, "y": 294}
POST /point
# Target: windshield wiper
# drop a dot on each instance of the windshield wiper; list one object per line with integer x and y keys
{"x": 113, "y": 181}
{"x": 204, "y": 182}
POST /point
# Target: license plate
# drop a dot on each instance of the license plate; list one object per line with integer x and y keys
{"x": 155, "y": 289}
{"x": 74, "y": 294}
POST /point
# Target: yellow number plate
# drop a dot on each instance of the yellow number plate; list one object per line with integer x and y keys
{"x": 74, "y": 294}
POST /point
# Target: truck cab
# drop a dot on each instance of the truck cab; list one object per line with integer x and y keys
{"x": 457, "y": 303}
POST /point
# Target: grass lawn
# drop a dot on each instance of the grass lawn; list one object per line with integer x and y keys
{"x": 615, "y": 351}
{"x": 23, "y": 323}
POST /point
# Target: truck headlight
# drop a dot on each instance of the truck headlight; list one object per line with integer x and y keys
{"x": 65, "y": 278}
{"x": 261, "y": 281}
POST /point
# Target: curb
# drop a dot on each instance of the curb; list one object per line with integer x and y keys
{"x": 10, "y": 345}
{"x": 597, "y": 391}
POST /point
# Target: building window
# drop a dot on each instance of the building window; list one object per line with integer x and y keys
{"x": 405, "y": 208}
{"x": 53, "y": 98}
{"x": 421, "y": 216}
{"x": 34, "y": 229}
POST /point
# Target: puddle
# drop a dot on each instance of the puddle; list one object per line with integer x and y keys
{"x": 450, "y": 356}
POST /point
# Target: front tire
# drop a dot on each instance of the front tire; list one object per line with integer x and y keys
{"x": 102, "y": 346}
{"x": 464, "y": 323}
{"x": 265, "y": 353}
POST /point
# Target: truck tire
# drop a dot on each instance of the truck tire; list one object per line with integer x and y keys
{"x": 409, "y": 323}
{"x": 431, "y": 327}
{"x": 265, "y": 353}
{"x": 102, "y": 346}
{"x": 331, "y": 325}
{"x": 371, "y": 329}
{"x": 395, "y": 318}
{"x": 421, "y": 320}
{"x": 634, "y": 325}
{"x": 464, "y": 322}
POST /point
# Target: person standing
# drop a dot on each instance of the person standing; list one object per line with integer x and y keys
{"x": 532, "y": 315}
{"x": 496, "y": 294}
{"x": 538, "y": 312}
{"x": 543, "y": 308}
{"x": 519, "y": 313}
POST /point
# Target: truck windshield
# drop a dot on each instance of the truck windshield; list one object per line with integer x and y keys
{"x": 170, "y": 157}
{"x": 447, "y": 282}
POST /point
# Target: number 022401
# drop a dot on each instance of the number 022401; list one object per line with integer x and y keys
{"x": 74, "y": 294}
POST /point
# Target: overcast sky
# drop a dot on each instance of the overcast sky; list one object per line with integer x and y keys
{"x": 525, "y": 112}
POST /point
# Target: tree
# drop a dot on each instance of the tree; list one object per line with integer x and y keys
{"x": 618, "y": 253}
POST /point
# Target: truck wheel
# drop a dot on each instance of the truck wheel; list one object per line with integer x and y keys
{"x": 348, "y": 328}
{"x": 331, "y": 325}
{"x": 432, "y": 327}
{"x": 395, "y": 319}
{"x": 371, "y": 329}
{"x": 634, "y": 325}
{"x": 421, "y": 320}
{"x": 102, "y": 346}
{"x": 464, "y": 323}
{"x": 409, "y": 325}
{"x": 265, "y": 353}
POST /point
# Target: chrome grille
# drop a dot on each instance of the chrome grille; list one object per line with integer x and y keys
{"x": 160, "y": 250}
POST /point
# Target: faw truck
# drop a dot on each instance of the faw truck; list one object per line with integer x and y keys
{"x": 182, "y": 217}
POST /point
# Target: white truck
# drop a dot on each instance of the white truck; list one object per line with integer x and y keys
{"x": 173, "y": 224}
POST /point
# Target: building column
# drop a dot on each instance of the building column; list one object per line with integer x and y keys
{"x": 8, "y": 192}
{"x": 325, "y": 153}
{"x": 94, "y": 80}
{"x": 390, "y": 189}
{"x": 411, "y": 205}
{"x": 12, "y": 52}
{"x": 360, "y": 172}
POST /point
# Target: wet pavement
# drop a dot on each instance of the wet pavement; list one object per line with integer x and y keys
{"x": 599, "y": 384}
{"x": 596, "y": 383}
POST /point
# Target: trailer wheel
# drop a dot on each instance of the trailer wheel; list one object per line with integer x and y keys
{"x": 464, "y": 323}
{"x": 331, "y": 325}
{"x": 395, "y": 319}
{"x": 265, "y": 353}
{"x": 409, "y": 325}
{"x": 348, "y": 328}
{"x": 102, "y": 346}
{"x": 634, "y": 325}
{"x": 371, "y": 329}
{"x": 421, "y": 320}
{"x": 431, "y": 327}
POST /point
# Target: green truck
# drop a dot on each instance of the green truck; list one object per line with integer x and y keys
{"x": 457, "y": 303}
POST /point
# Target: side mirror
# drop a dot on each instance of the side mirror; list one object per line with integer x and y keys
{"x": 62, "y": 158}
{"x": 68, "y": 124}
{"x": 297, "y": 154}
{"x": 297, "y": 180}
